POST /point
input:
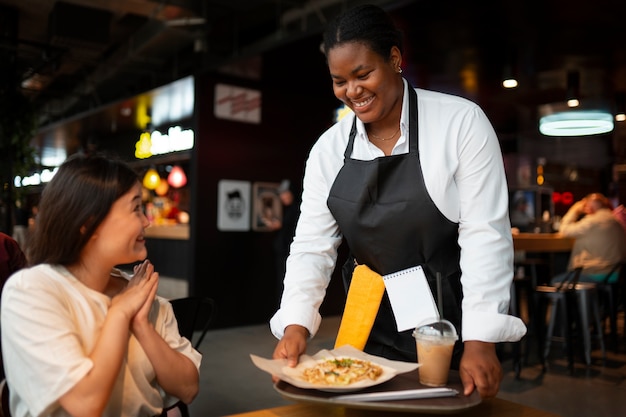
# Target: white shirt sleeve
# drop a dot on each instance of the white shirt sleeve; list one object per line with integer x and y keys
{"x": 484, "y": 231}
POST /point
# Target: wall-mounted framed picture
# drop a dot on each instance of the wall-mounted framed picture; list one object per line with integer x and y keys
{"x": 234, "y": 206}
{"x": 267, "y": 210}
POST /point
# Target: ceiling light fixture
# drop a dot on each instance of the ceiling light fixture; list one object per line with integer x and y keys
{"x": 509, "y": 83}
{"x": 509, "y": 79}
{"x": 177, "y": 177}
{"x": 620, "y": 106}
{"x": 573, "y": 87}
{"x": 573, "y": 102}
{"x": 576, "y": 123}
{"x": 151, "y": 179}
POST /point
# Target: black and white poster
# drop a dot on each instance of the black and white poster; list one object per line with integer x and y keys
{"x": 233, "y": 211}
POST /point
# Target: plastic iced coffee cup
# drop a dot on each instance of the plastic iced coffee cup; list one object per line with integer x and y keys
{"x": 435, "y": 343}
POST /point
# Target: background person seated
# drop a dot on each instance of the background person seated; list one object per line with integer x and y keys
{"x": 600, "y": 239}
{"x": 520, "y": 218}
{"x": 11, "y": 258}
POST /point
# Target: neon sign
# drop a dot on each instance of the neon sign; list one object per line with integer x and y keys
{"x": 35, "y": 179}
{"x": 157, "y": 143}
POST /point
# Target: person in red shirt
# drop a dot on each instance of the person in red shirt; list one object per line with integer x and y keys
{"x": 11, "y": 259}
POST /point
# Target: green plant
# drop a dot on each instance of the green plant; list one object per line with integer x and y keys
{"x": 18, "y": 124}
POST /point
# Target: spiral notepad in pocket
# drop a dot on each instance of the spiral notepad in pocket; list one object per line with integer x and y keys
{"x": 410, "y": 297}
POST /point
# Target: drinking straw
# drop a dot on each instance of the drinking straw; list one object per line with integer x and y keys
{"x": 439, "y": 299}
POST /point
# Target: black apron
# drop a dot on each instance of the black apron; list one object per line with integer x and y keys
{"x": 390, "y": 223}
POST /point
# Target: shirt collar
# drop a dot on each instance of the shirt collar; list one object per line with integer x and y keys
{"x": 402, "y": 144}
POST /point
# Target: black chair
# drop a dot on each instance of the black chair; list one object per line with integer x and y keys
{"x": 522, "y": 290}
{"x": 567, "y": 300}
{"x": 556, "y": 298}
{"x": 194, "y": 316}
{"x": 612, "y": 296}
{"x": 4, "y": 399}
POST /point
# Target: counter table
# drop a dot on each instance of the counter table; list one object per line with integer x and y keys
{"x": 169, "y": 248}
{"x": 490, "y": 408}
{"x": 542, "y": 242}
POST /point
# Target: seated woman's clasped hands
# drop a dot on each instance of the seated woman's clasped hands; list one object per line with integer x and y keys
{"x": 136, "y": 298}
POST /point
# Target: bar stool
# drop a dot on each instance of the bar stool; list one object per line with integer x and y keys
{"x": 529, "y": 274}
{"x": 521, "y": 286}
{"x": 568, "y": 300}
{"x": 589, "y": 315}
{"x": 612, "y": 294}
{"x": 556, "y": 298}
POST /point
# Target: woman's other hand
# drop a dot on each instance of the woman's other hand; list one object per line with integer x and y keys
{"x": 480, "y": 369}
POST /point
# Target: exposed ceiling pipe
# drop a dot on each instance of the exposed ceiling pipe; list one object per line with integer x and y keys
{"x": 302, "y": 13}
{"x": 126, "y": 54}
{"x": 287, "y": 33}
{"x": 132, "y": 49}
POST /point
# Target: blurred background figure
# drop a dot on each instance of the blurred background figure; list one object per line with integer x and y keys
{"x": 520, "y": 217}
{"x": 290, "y": 199}
{"x": 11, "y": 259}
{"x": 20, "y": 228}
{"x": 600, "y": 239}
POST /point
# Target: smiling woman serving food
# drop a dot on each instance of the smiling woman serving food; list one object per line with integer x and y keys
{"x": 413, "y": 178}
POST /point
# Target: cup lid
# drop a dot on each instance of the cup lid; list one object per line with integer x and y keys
{"x": 436, "y": 328}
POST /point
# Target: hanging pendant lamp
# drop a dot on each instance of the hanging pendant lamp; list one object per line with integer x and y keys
{"x": 152, "y": 179}
{"x": 177, "y": 177}
{"x": 162, "y": 189}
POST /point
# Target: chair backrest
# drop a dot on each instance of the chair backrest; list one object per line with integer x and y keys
{"x": 4, "y": 399}
{"x": 570, "y": 280}
{"x": 619, "y": 268}
{"x": 194, "y": 314}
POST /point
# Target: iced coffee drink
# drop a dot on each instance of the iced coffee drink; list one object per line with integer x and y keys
{"x": 435, "y": 343}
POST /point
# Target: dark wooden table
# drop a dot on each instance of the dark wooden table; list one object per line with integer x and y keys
{"x": 490, "y": 408}
{"x": 542, "y": 242}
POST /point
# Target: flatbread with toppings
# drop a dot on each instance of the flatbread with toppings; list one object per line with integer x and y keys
{"x": 280, "y": 368}
{"x": 341, "y": 372}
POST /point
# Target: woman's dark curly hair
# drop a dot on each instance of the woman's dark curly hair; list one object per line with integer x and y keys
{"x": 365, "y": 24}
{"x": 74, "y": 203}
